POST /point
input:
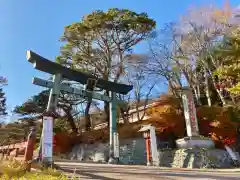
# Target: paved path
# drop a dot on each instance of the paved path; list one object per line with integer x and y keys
{"x": 88, "y": 171}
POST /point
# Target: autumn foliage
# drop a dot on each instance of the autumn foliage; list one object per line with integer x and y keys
{"x": 167, "y": 116}
{"x": 62, "y": 142}
{"x": 215, "y": 122}
{"x": 218, "y": 123}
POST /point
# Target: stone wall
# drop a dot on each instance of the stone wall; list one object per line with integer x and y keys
{"x": 132, "y": 151}
{"x": 195, "y": 158}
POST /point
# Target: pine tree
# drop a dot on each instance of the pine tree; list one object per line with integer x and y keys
{"x": 3, "y": 110}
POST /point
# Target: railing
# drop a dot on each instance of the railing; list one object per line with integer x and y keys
{"x": 14, "y": 146}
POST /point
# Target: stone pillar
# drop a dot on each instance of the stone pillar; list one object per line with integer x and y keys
{"x": 190, "y": 113}
{"x": 193, "y": 138}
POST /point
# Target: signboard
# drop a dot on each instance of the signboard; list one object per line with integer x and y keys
{"x": 116, "y": 145}
{"x": 190, "y": 113}
{"x": 47, "y": 137}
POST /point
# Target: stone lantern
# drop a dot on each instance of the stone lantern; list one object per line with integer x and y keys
{"x": 149, "y": 135}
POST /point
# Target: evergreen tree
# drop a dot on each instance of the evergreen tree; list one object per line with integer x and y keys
{"x": 3, "y": 110}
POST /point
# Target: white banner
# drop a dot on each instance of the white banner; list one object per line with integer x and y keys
{"x": 116, "y": 145}
{"x": 47, "y": 137}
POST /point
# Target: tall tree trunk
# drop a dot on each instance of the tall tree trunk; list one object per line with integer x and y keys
{"x": 71, "y": 122}
{"x": 209, "y": 71}
{"x": 197, "y": 89}
{"x": 137, "y": 106}
{"x": 207, "y": 91}
{"x": 214, "y": 84}
{"x": 125, "y": 114}
{"x": 220, "y": 95}
{"x": 196, "y": 95}
{"x": 238, "y": 140}
{"x": 199, "y": 94}
{"x": 233, "y": 99}
{"x": 173, "y": 89}
{"x": 90, "y": 87}
{"x": 87, "y": 116}
{"x": 172, "y": 140}
{"x": 106, "y": 109}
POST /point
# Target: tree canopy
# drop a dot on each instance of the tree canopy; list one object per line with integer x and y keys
{"x": 36, "y": 105}
{"x": 3, "y": 109}
{"x": 101, "y": 42}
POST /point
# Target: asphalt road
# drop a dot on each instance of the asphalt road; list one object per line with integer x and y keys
{"x": 88, "y": 171}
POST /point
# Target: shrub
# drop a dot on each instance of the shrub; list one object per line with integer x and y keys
{"x": 16, "y": 170}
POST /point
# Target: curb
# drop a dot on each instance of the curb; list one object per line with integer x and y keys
{"x": 237, "y": 170}
{"x": 203, "y": 170}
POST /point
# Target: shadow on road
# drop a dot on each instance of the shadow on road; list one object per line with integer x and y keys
{"x": 89, "y": 175}
{"x": 152, "y": 174}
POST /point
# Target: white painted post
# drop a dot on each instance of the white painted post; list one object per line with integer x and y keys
{"x": 47, "y": 139}
{"x": 112, "y": 129}
{"x": 154, "y": 150}
{"x": 47, "y": 131}
{"x": 116, "y": 145}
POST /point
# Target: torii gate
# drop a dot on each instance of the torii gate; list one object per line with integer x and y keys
{"x": 59, "y": 72}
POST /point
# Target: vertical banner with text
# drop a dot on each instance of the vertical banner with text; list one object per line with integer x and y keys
{"x": 116, "y": 145}
{"x": 47, "y": 137}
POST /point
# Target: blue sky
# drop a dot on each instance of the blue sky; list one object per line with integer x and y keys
{"x": 37, "y": 25}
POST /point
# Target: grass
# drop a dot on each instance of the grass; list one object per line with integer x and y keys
{"x": 16, "y": 170}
